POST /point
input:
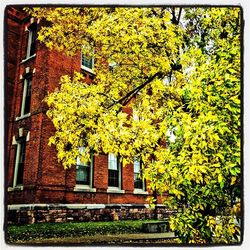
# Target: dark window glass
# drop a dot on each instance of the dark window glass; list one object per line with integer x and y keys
{"x": 27, "y": 100}
{"x": 83, "y": 174}
{"x": 83, "y": 170}
{"x": 32, "y": 39}
{"x": 20, "y": 164}
{"x": 113, "y": 170}
{"x": 87, "y": 62}
{"x": 138, "y": 182}
{"x": 113, "y": 178}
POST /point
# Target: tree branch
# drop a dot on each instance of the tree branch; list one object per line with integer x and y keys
{"x": 174, "y": 19}
{"x": 133, "y": 92}
{"x": 108, "y": 97}
{"x": 179, "y": 16}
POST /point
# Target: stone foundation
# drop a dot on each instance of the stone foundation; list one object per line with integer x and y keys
{"x": 36, "y": 213}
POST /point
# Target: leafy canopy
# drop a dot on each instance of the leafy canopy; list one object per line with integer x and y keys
{"x": 177, "y": 71}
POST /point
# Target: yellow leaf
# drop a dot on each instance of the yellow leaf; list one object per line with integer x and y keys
{"x": 220, "y": 178}
{"x": 233, "y": 180}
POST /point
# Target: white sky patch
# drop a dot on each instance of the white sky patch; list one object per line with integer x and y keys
{"x": 135, "y": 117}
{"x": 166, "y": 81}
{"x": 171, "y": 136}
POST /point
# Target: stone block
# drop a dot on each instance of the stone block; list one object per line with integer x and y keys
{"x": 155, "y": 227}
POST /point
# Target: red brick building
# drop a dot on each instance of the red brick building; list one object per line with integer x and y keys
{"x": 38, "y": 188}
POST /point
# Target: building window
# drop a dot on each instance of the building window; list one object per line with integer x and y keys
{"x": 114, "y": 171}
{"x": 19, "y": 162}
{"x": 26, "y": 99}
{"x": 84, "y": 170}
{"x": 138, "y": 182}
{"x": 87, "y": 62}
{"x": 31, "y": 47}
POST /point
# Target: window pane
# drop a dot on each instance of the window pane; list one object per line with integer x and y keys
{"x": 32, "y": 39}
{"x": 138, "y": 182}
{"x": 83, "y": 175}
{"x": 83, "y": 170}
{"x": 78, "y": 159}
{"x": 22, "y": 151}
{"x": 19, "y": 180}
{"x": 33, "y": 43}
{"x": 137, "y": 166}
{"x": 20, "y": 164}
{"x": 87, "y": 62}
{"x": 113, "y": 178}
{"x": 112, "y": 162}
{"x": 27, "y": 100}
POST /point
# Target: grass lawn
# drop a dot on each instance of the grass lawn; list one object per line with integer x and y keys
{"x": 40, "y": 231}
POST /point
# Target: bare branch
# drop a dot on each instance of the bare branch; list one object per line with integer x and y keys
{"x": 132, "y": 93}
{"x": 179, "y": 15}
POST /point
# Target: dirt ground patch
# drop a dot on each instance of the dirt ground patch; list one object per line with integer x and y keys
{"x": 131, "y": 239}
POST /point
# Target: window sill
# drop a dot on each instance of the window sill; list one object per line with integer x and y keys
{"x": 115, "y": 190}
{"x": 140, "y": 191}
{"x": 84, "y": 189}
{"x": 16, "y": 188}
{"x": 28, "y": 58}
{"x": 22, "y": 117}
{"x": 87, "y": 69}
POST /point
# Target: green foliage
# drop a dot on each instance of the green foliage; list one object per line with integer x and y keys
{"x": 16, "y": 233}
{"x": 183, "y": 79}
{"x": 194, "y": 226}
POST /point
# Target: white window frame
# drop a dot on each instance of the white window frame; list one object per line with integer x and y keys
{"x": 30, "y": 37}
{"x": 84, "y": 187}
{"x": 85, "y": 68}
{"x": 17, "y": 159}
{"x": 24, "y": 96}
{"x": 113, "y": 189}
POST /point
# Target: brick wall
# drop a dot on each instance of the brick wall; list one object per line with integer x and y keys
{"x": 45, "y": 180}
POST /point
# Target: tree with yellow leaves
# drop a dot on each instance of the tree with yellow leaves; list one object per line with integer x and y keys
{"x": 179, "y": 71}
